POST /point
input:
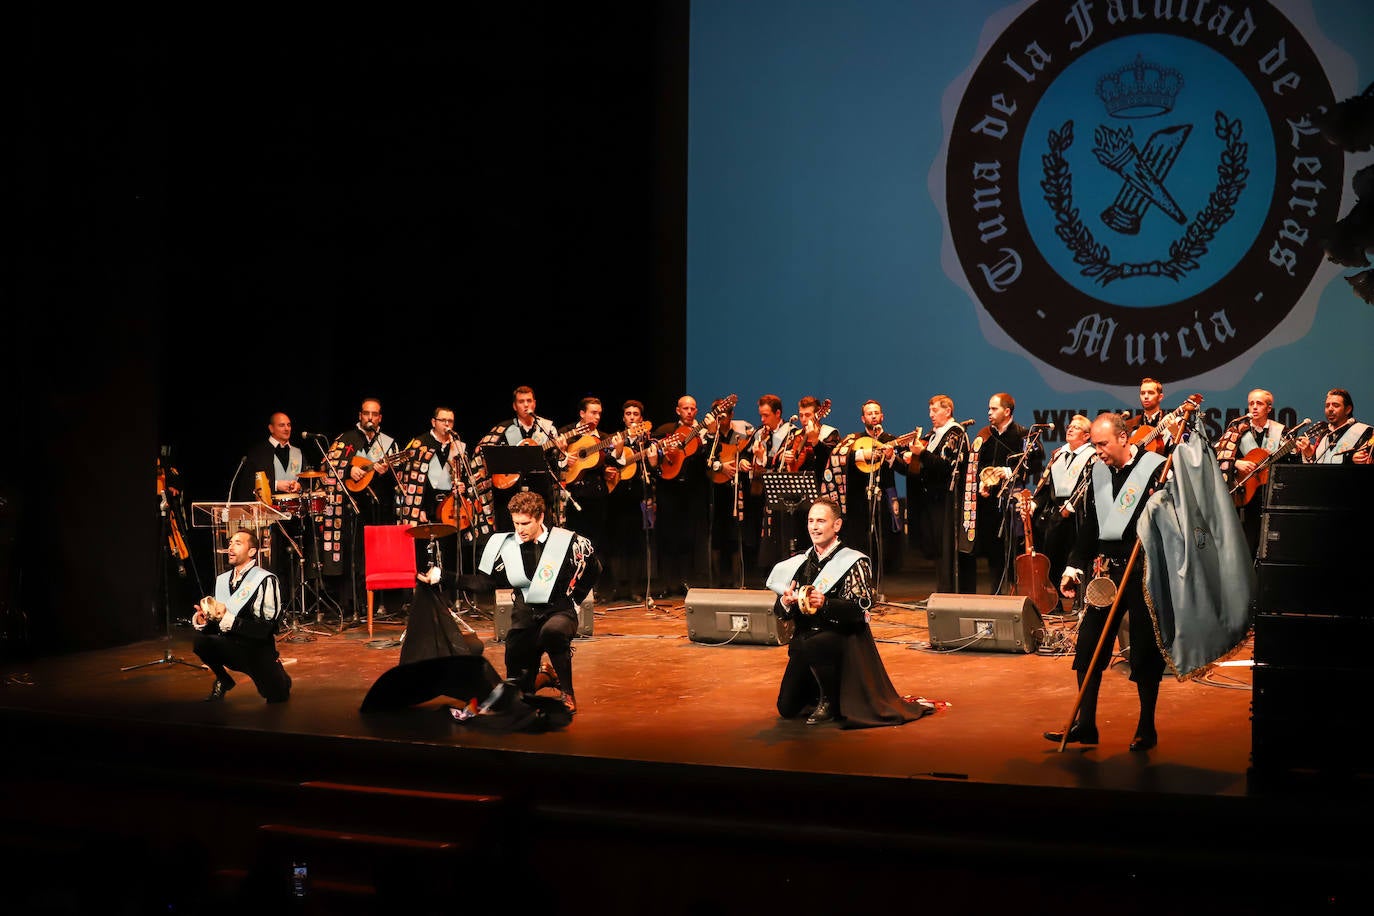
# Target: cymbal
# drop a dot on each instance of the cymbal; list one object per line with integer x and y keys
{"x": 309, "y": 474}
{"x": 432, "y": 531}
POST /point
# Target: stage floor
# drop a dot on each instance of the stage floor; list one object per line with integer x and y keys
{"x": 661, "y": 717}
{"x": 646, "y": 692}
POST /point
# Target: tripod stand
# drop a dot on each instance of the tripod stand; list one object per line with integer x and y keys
{"x": 295, "y": 630}
{"x": 164, "y": 547}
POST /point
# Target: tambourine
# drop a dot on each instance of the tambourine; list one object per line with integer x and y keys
{"x": 804, "y": 599}
{"x": 212, "y": 609}
{"x": 1101, "y": 592}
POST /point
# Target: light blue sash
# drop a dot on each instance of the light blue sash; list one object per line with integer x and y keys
{"x": 507, "y": 546}
{"x": 1064, "y": 474}
{"x": 833, "y": 570}
{"x": 1334, "y": 454}
{"x": 1113, "y": 513}
{"x": 233, "y": 603}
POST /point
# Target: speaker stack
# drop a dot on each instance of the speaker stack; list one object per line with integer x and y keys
{"x": 1313, "y": 629}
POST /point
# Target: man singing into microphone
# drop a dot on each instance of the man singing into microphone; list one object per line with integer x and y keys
{"x": 935, "y": 482}
{"x": 361, "y": 487}
{"x": 527, "y": 429}
{"x": 1002, "y": 472}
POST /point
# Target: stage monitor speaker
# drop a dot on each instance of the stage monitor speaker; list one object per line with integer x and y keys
{"x": 505, "y": 603}
{"x": 739, "y": 616}
{"x": 984, "y": 623}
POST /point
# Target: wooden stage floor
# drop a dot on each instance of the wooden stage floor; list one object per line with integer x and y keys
{"x": 676, "y": 747}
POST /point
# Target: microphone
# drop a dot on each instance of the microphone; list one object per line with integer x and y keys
{"x": 967, "y": 422}
{"x": 1240, "y": 419}
{"x": 232, "y": 481}
{"x": 310, "y": 435}
{"x": 793, "y": 419}
{"x": 1049, "y": 426}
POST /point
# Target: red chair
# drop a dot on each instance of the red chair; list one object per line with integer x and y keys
{"x": 388, "y": 561}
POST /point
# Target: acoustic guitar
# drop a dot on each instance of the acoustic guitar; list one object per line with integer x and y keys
{"x": 369, "y": 467}
{"x": 459, "y": 511}
{"x": 1249, "y": 485}
{"x": 1151, "y": 438}
{"x": 586, "y": 452}
{"x": 1033, "y": 569}
{"x": 506, "y": 481}
{"x": 869, "y": 453}
{"x": 802, "y": 452}
{"x": 632, "y": 459}
{"x": 686, "y": 436}
{"x": 727, "y": 453}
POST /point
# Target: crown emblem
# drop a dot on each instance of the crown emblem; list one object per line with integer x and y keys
{"x": 1140, "y": 89}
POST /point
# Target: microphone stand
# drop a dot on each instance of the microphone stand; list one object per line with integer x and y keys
{"x": 1004, "y": 504}
{"x": 167, "y": 657}
{"x": 874, "y": 492}
{"x": 466, "y": 604}
{"x": 953, "y": 509}
{"x": 337, "y": 471}
{"x": 295, "y": 631}
{"x": 711, "y": 505}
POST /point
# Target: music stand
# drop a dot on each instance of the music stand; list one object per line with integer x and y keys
{"x": 786, "y": 493}
{"x": 515, "y": 459}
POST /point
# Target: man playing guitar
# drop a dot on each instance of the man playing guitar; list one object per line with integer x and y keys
{"x": 1246, "y": 443}
{"x": 528, "y": 429}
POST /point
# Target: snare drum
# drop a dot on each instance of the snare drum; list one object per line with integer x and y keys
{"x": 288, "y": 504}
{"x": 314, "y": 503}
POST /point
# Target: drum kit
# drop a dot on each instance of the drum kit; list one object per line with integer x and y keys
{"x": 310, "y": 501}
{"x": 307, "y": 506}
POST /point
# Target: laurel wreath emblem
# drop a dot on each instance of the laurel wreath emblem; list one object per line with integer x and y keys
{"x": 1184, "y": 252}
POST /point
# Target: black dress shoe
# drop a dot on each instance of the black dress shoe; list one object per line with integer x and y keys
{"x": 823, "y": 713}
{"x": 1144, "y": 742}
{"x": 219, "y": 689}
{"x": 1077, "y": 735}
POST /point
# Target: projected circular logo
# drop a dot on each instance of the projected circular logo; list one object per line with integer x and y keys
{"x": 1133, "y": 194}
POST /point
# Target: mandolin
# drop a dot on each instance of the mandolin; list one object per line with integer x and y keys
{"x": 809, "y": 438}
{"x": 1150, "y": 438}
{"x": 369, "y": 467}
{"x": 1033, "y": 569}
{"x": 685, "y": 436}
{"x": 869, "y": 452}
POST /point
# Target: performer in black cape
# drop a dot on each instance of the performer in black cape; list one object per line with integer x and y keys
{"x": 834, "y": 671}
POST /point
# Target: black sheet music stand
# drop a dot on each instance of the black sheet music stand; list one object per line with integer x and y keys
{"x": 515, "y": 459}
{"x": 787, "y": 493}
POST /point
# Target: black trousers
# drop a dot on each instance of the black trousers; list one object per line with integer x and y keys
{"x": 256, "y": 659}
